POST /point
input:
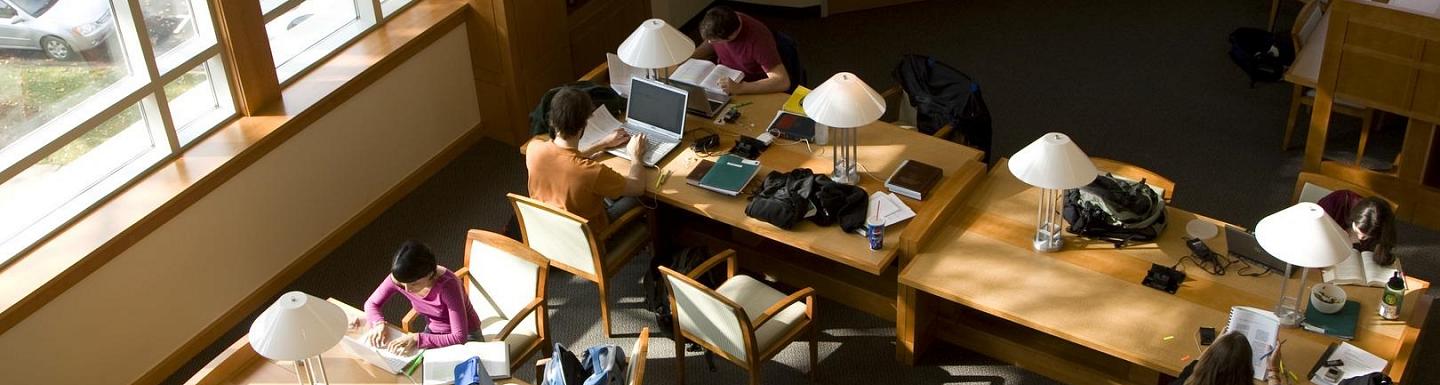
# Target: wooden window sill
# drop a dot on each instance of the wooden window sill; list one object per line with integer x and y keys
{"x": 36, "y": 277}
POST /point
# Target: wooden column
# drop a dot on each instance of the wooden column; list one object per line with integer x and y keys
{"x": 252, "y": 69}
{"x": 534, "y": 56}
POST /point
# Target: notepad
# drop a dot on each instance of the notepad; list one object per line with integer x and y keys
{"x": 706, "y": 74}
{"x": 1340, "y": 325}
{"x": 1358, "y": 270}
{"x": 1261, "y": 328}
{"x": 730, "y": 174}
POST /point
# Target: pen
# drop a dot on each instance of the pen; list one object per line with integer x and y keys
{"x": 742, "y": 104}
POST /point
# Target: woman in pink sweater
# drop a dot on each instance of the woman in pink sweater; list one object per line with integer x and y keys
{"x": 434, "y": 292}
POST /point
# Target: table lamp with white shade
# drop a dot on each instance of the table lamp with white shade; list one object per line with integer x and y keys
{"x": 298, "y": 327}
{"x": 844, "y": 103}
{"x": 1053, "y": 163}
{"x": 1301, "y": 235}
{"x": 655, "y": 45}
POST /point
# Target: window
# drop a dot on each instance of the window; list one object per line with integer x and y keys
{"x": 305, "y": 32}
{"x": 107, "y": 90}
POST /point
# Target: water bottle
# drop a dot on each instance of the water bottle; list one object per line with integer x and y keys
{"x": 1393, "y": 297}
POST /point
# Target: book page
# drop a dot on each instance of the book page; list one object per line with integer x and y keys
{"x": 1356, "y": 361}
{"x": 600, "y": 125}
{"x": 1261, "y": 328}
{"x": 693, "y": 72}
{"x": 621, "y": 73}
{"x": 1377, "y": 275}
{"x": 712, "y": 81}
{"x": 1348, "y": 272}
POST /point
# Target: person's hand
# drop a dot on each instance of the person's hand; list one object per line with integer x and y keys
{"x": 636, "y": 146}
{"x": 403, "y": 345}
{"x": 729, "y": 86}
{"x": 1274, "y": 365}
{"x": 376, "y": 335}
{"x": 616, "y": 139}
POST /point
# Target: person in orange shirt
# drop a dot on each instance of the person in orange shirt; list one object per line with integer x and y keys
{"x": 563, "y": 175}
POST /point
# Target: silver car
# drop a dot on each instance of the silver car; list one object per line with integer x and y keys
{"x": 60, "y": 28}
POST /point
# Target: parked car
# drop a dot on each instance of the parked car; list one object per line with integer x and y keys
{"x": 60, "y": 28}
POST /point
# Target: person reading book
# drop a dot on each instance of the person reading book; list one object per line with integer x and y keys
{"x": 1370, "y": 222}
{"x": 562, "y": 173}
{"x": 739, "y": 41}
{"x": 433, "y": 291}
{"x": 1229, "y": 362}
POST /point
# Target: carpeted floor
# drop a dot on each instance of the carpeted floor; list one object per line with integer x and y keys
{"x": 1146, "y": 82}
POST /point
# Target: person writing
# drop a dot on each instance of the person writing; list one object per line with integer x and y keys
{"x": 1370, "y": 222}
{"x": 739, "y": 41}
{"x": 433, "y": 291}
{"x": 1228, "y": 362}
{"x": 562, "y": 174}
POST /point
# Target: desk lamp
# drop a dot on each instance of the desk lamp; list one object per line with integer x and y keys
{"x": 1053, "y": 163}
{"x": 655, "y": 45}
{"x": 298, "y": 327}
{"x": 844, "y": 102}
{"x": 1301, "y": 235}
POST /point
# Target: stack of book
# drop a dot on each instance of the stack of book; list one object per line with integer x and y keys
{"x": 914, "y": 179}
{"x": 727, "y": 175}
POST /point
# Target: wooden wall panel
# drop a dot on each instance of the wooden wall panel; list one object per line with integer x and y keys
{"x": 598, "y": 27}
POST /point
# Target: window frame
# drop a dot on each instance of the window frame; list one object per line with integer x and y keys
{"x": 368, "y": 16}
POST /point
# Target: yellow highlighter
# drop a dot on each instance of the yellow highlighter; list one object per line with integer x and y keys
{"x": 661, "y": 180}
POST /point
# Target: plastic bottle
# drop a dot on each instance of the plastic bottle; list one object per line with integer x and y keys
{"x": 1392, "y": 299}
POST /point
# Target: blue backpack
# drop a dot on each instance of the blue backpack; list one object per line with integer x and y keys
{"x": 599, "y": 365}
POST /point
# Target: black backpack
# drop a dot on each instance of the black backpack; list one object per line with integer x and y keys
{"x": 1115, "y": 210}
{"x": 657, "y": 292}
{"x": 943, "y": 95}
{"x": 1261, "y": 54}
{"x": 600, "y": 94}
{"x": 783, "y": 199}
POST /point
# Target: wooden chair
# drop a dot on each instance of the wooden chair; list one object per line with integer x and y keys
{"x": 638, "y": 354}
{"x": 743, "y": 320}
{"x": 898, "y": 108}
{"x": 1305, "y": 24}
{"x": 568, "y": 242}
{"x": 1165, "y": 186}
{"x": 504, "y": 282}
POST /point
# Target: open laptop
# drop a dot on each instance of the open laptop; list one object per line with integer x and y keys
{"x": 380, "y": 357}
{"x": 1242, "y": 244}
{"x": 658, "y": 111}
{"x": 702, "y": 103}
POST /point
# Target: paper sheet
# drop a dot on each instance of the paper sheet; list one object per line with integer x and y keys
{"x": 600, "y": 125}
{"x": 1261, "y": 328}
{"x": 888, "y": 206}
{"x": 620, "y": 74}
{"x": 1357, "y": 362}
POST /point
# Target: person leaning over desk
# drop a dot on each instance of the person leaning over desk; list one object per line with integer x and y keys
{"x": 1369, "y": 221}
{"x": 562, "y": 174}
{"x": 433, "y": 291}
{"x": 1227, "y": 362}
{"x": 739, "y": 41}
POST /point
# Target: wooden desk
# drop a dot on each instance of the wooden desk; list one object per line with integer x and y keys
{"x": 240, "y": 364}
{"x": 882, "y": 147}
{"x": 1052, "y": 311}
{"x": 1305, "y": 71}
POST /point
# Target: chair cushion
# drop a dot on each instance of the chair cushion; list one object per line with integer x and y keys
{"x": 624, "y": 243}
{"x": 755, "y": 296}
{"x": 519, "y": 339}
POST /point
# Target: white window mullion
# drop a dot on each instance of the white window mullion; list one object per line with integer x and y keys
{"x": 156, "y": 107}
{"x": 34, "y": 156}
{"x": 280, "y": 9}
{"x": 377, "y": 13}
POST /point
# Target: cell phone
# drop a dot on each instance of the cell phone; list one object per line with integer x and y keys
{"x": 1206, "y": 336}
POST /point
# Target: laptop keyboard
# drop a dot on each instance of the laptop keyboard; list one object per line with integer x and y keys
{"x": 654, "y": 151}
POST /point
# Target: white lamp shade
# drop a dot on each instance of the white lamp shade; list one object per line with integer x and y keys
{"x": 1053, "y": 162}
{"x": 655, "y": 44}
{"x": 1303, "y": 235}
{"x": 844, "y": 101}
{"x": 296, "y": 327}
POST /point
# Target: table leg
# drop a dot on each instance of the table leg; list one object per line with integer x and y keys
{"x": 910, "y": 335}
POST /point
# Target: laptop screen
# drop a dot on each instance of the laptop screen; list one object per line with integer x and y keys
{"x": 1243, "y": 244}
{"x": 657, "y": 105}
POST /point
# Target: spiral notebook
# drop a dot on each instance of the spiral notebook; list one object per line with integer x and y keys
{"x": 1261, "y": 328}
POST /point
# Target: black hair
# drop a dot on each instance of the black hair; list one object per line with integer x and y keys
{"x": 719, "y": 23}
{"x": 570, "y": 108}
{"x": 413, "y": 261}
{"x": 1373, "y": 217}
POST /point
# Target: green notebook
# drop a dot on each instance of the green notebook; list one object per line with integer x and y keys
{"x": 730, "y": 174}
{"x": 1341, "y": 324}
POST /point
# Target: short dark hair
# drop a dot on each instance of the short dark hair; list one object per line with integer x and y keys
{"x": 570, "y": 108}
{"x": 413, "y": 261}
{"x": 1373, "y": 217}
{"x": 719, "y": 24}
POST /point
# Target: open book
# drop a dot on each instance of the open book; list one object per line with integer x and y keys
{"x": 1356, "y": 362}
{"x": 1262, "y": 328}
{"x": 1360, "y": 270}
{"x": 705, "y": 74}
{"x": 440, "y": 363}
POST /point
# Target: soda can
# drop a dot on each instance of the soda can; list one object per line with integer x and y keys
{"x": 875, "y": 231}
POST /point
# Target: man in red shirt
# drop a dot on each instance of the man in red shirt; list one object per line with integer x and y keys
{"x": 739, "y": 41}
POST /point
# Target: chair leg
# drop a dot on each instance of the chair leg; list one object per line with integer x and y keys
{"x": 755, "y": 375}
{"x": 1290, "y": 121}
{"x": 679, "y": 357}
{"x": 1365, "y": 126}
{"x": 605, "y": 307}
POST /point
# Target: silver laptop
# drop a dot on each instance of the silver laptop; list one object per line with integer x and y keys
{"x": 702, "y": 103}
{"x": 658, "y": 111}
{"x": 1242, "y": 244}
{"x": 380, "y": 357}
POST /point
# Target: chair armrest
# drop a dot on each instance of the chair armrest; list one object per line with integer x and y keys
{"x": 619, "y": 223}
{"x": 595, "y": 73}
{"x": 808, "y": 294}
{"x": 944, "y": 131}
{"x": 890, "y": 92}
{"x": 728, "y": 256}
{"x": 519, "y": 316}
{"x": 540, "y": 369}
{"x": 409, "y": 319}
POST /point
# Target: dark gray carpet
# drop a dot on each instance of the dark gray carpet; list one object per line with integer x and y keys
{"x": 1146, "y": 82}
